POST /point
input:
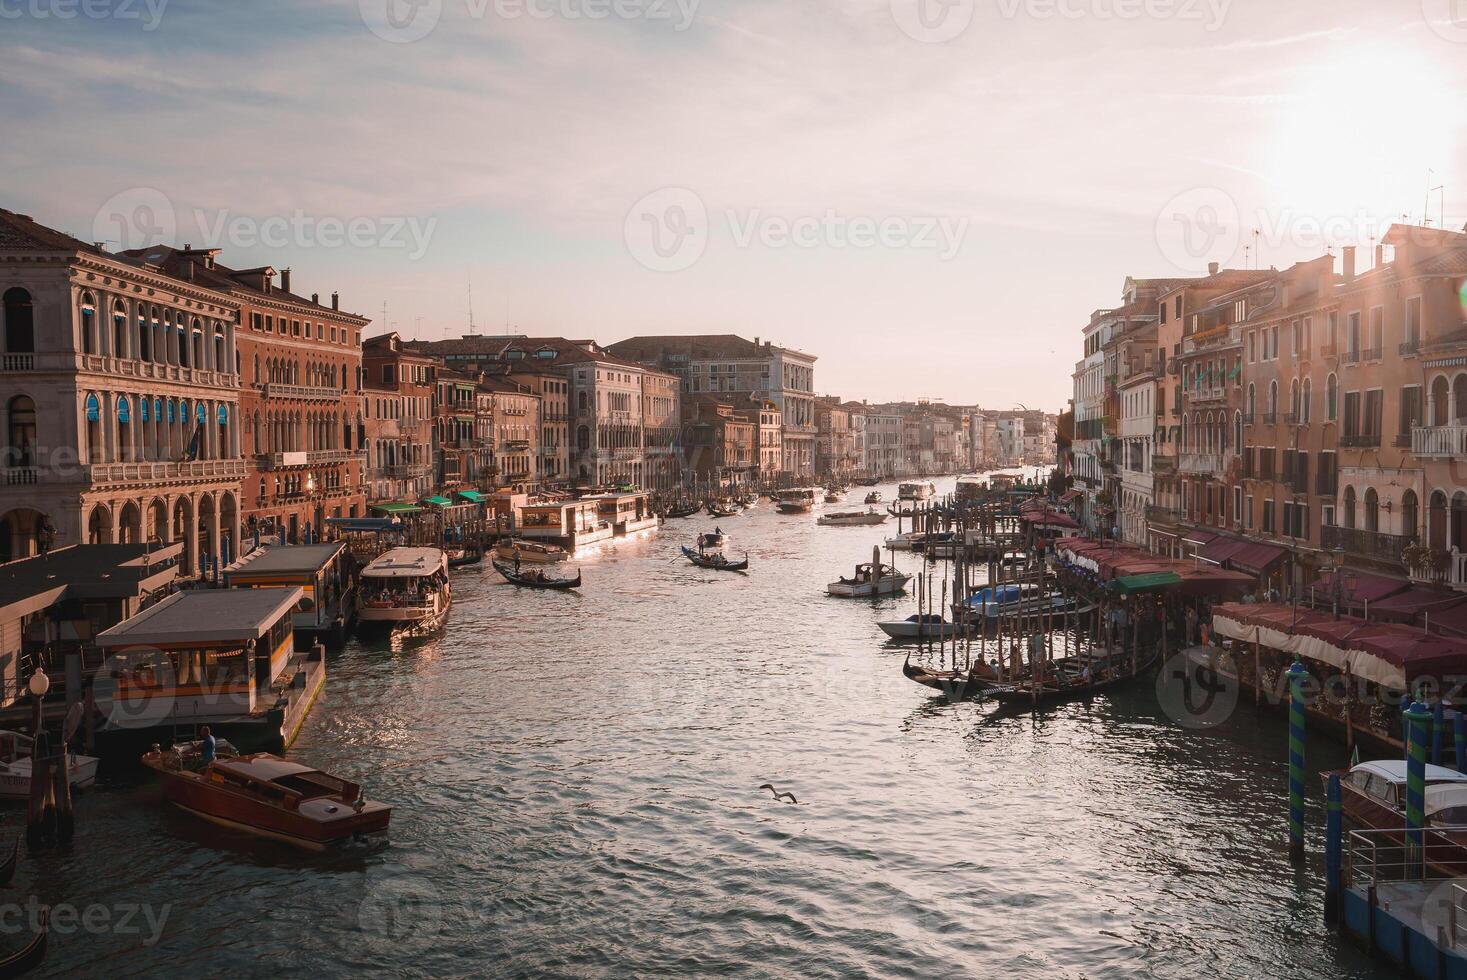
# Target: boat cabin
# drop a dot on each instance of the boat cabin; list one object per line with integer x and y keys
{"x": 626, "y": 512}
{"x": 318, "y": 570}
{"x": 568, "y": 523}
{"x": 799, "y": 498}
{"x": 201, "y": 656}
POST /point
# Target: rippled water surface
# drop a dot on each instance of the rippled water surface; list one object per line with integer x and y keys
{"x": 576, "y": 779}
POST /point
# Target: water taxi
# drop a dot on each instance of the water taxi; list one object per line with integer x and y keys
{"x": 918, "y": 490}
{"x": 854, "y": 518}
{"x": 870, "y": 580}
{"x": 530, "y": 552}
{"x": 327, "y": 608}
{"x": 15, "y": 767}
{"x": 406, "y": 589}
{"x": 270, "y": 797}
{"x": 801, "y": 500}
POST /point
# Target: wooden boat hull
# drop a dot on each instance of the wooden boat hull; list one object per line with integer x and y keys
{"x": 706, "y": 561}
{"x": 956, "y": 685}
{"x": 32, "y": 954}
{"x": 531, "y": 554}
{"x": 524, "y": 582}
{"x": 224, "y": 807}
{"x": 1019, "y": 697}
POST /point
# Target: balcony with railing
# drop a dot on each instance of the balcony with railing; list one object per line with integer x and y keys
{"x": 1451, "y": 571}
{"x": 1164, "y": 465}
{"x": 1439, "y": 441}
{"x": 22, "y": 476}
{"x": 1156, "y": 514}
{"x": 1375, "y": 545}
{"x": 1205, "y": 394}
{"x": 407, "y": 471}
{"x": 1410, "y": 346}
{"x": 318, "y": 457}
{"x": 1270, "y": 418}
{"x": 1372, "y": 354}
{"x": 1204, "y": 464}
{"x": 314, "y": 392}
{"x": 1352, "y": 357}
{"x": 147, "y": 473}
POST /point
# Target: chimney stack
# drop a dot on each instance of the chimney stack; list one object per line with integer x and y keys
{"x": 335, "y": 300}
{"x": 285, "y": 279}
{"x": 1212, "y": 268}
{"x": 315, "y": 299}
{"x": 1349, "y": 274}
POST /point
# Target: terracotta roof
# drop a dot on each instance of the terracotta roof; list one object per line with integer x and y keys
{"x": 566, "y": 351}
{"x": 700, "y": 345}
{"x": 190, "y": 267}
{"x": 21, "y": 231}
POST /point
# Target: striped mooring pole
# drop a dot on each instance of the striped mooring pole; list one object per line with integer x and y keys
{"x": 1438, "y": 729}
{"x": 1297, "y": 673}
{"x": 1334, "y": 830}
{"x": 1417, "y": 718}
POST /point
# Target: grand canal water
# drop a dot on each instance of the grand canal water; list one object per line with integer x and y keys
{"x": 576, "y": 788}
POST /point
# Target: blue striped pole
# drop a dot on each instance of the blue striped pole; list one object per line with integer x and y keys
{"x": 1297, "y": 673}
{"x": 1437, "y": 725}
{"x": 1333, "y": 841}
{"x": 1406, "y": 727}
{"x": 1416, "y": 718}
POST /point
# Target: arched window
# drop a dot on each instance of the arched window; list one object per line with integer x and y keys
{"x": 1273, "y": 397}
{"x": 1252, "y": 400}
{"x": 1410, "y": 515}
{"x": 1372, "y": 510}
{"x": 184, "y": 358}
{"x": 1238, "y": 430}
{"x": 20, "y": 417}
{"x": 1306, "y": 405}
{"x": 1331, "y": 398}
{"x": 1185, "y": 446}
{"x": 221, "y": 358}
{"x": 20, "y": 322}
{"x": 124, "y": 428}
{"x": 1294, "y": 399}
{"x": 93, "y": 409}
{"x": 581, "y": 401}
{"x": 1436, "y": 521}
{"x": 1349, "y": 507}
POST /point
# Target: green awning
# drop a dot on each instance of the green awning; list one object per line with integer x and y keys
{"x": 439, "y": 501}
{"x": 473, "y": 495}
{"x": 398, "y": 508}
{"x": 1149, "y": 582}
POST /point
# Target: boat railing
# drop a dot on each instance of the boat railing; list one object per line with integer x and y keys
{"x": 1383, "y": 856}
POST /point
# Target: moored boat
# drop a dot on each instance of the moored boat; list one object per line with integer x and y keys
{"x": 536, "y": 552}
{"x": 868, "y": 581}
{"x": 267, "y": 796}
{"x": 958, "y": 685}
{"x": 405, "y": 589}
{"x": 1073, "y": 678}
{"x": 15, "y": 767}
{"x": 683, "y": 510}
{"x": 928, "y": 626}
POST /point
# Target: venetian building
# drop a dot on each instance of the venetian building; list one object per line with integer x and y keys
{"x": 119, "y": 387}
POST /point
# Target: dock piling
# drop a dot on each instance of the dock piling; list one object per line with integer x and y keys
{"x": 1459, "y": 738}
{"x": 1297, "y": 673}
{"x": 1333, "y": 841}
{"x": 1416, "y": 720}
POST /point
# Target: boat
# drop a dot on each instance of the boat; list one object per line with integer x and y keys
{"x": 851, "y": 518}
{"x": 874, "y": 497}
{"x": 993, "y": 601}
{"x": 405, "y": 589}
{"x": 271, "y": 797}
{"x": 15, "y": 767}
{"x": 924, "y": 543}
{"x": 724, "y": 509}
{"x": 683, "y": 510}
{"x": 536, "y": 552}
{"x": 464, "y": 557}
{"x": 870, "y": 580}
{"x": 870, "y": 481}
{"x": 1373, "y": 796}
{"x": 32, "y": 954}
{"x": 798, "y": 501}
{"x": 716, "y": 561}
{"x": 712, "y": 539}
{"x": 1066, "y": 679}
{"x": 920, "y": 627}
{"x": 917, "y": 490}
{"x": 536, "y": 579}
{"x": 958, "y": 685}
{"x": 834, "y": 496}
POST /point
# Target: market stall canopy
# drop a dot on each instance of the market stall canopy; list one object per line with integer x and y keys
{"x": 1408, "y": 606}
{"x": 438, "y": 501}
{"x": 1070, "y": 496}
{"x": 1219, "y": 550}
{"x": 473, "y": 495}
{"x": 1146, "y": 582}
{"x": 398, "y": 508}
{"x": 1198, "y": 537}
{"x": 1450, "y": 622}
{"x": 1256, "y": 558}
{"x": 1365, "y": 588}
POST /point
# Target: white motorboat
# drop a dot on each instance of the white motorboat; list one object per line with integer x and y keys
{"x": 918, "y": 490}
{"x": 404, "y": 589}
{"x": 15, "y": 767}
{"x": 920, "y": 627}
{"x": 853, "y": 518}
{"x": 798, "y": 501}
{"x": 870, "y": 580}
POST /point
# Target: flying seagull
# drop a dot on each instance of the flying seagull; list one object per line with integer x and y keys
{"x": 790, "y": 797}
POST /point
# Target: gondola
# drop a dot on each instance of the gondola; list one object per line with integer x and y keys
{"x": 715, "y": 510}
{"x": 680, "y": 512}
{"x": 957, "y": 685}
{"x": 717, "y": 562}
{"x": 537, "y": 579}
{"x": 1065, "y": 682}
{"x": 27, "y": 959}
{"x": 7, "y": 870}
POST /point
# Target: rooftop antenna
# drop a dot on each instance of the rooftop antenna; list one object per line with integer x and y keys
{"x": 473, "y": 328}
{"x": 1256, "y": 250}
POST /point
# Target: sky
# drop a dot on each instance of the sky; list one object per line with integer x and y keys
{"x": 931, "y": 196}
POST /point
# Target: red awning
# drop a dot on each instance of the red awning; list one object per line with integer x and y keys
{"x": 1405, "y": 607}
{"x": 1219, "y": 550}
{"x": 1198, "y": 537}
{"x": 1256, "y": 559}
{"x": 1070, "y": 496}
{"x": 1368, "y": 588}
{"x": 1450, "y": 622}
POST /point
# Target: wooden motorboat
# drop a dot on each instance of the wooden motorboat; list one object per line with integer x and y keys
{"x": 958, "y": 685}
{"x": 533, "y": 578}
{"x": 32, "y": 954}
{"x": 713, "y": 539}
{"x": 536, "y": 552}
{"x": 1373, "y": 798}
{"x": 464, "y": 557}
{"x": 715, "y": 560}
{"x": 921, "y": 626}
{"x": 1073, "y": 678}
{"x": 405, "y": 589}
{"x": 874, "y": 497}
{"x": 15, "y": 767}
{"x": 851, "y": 518}
{"x": 271, "y": 797}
